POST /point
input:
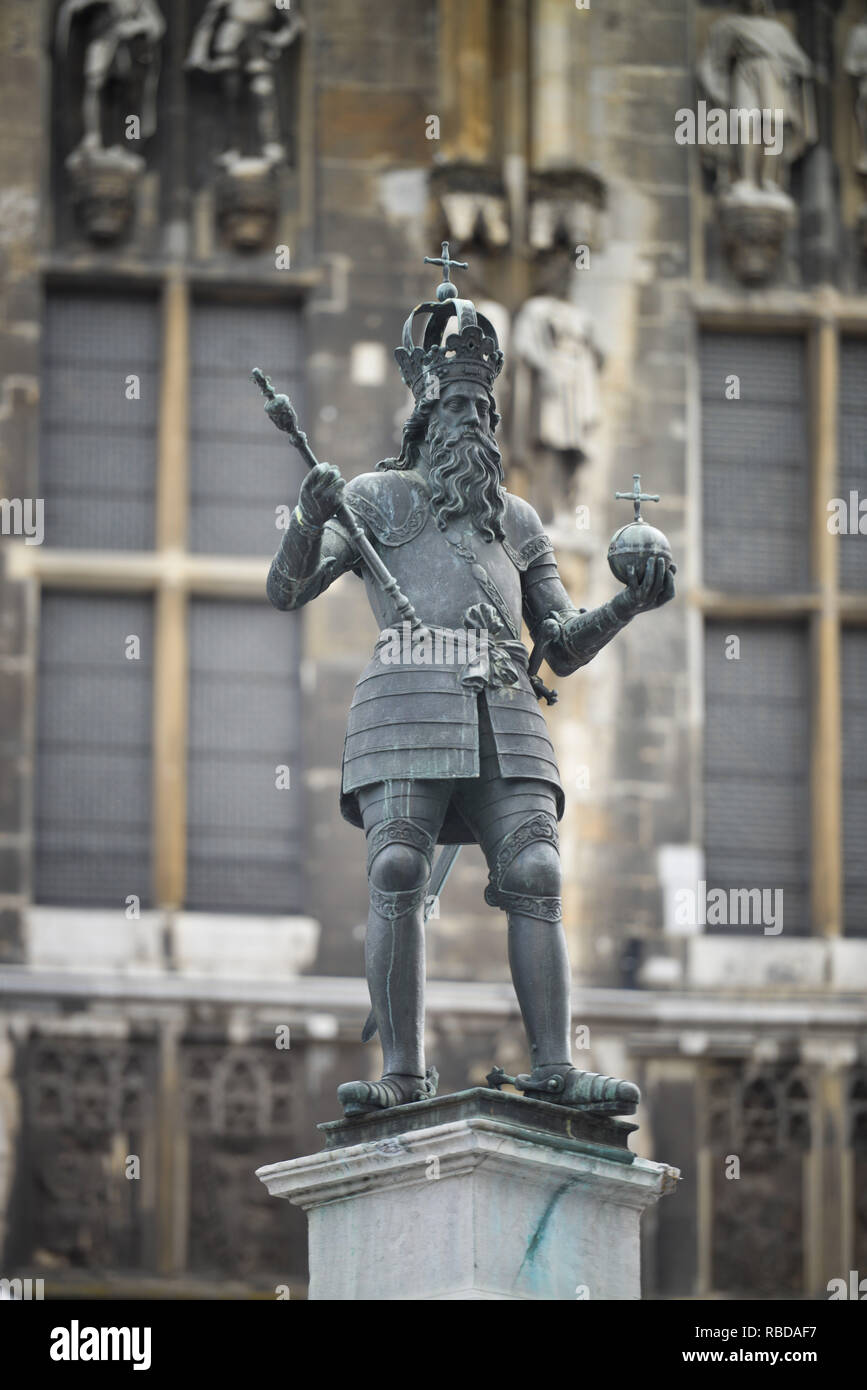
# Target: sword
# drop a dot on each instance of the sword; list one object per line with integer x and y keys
{"x": 548, "y": 632}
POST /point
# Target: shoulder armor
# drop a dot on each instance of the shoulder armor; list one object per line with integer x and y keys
{"x": 525, "y": 540}
{"x": 392, "y": 503}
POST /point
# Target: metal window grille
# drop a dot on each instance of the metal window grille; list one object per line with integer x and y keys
{"x": 244, "y": 835}
{"x": 93, "y": 787}
{"x": 98, "y": 427}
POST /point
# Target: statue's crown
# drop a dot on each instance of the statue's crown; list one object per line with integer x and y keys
{"x": 472, "y": 353}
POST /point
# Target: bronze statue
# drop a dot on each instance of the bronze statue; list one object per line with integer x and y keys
{"x": 445, "y": 742}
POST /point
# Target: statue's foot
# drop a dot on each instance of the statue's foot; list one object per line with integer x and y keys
{"x": 582, "y": 1090}
{"x": 364, "y": 1097}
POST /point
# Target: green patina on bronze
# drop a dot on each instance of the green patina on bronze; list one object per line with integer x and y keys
{"x": 448, "y": 750}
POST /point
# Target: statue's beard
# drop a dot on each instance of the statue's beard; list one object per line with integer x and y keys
{"x": 466, "y": 476}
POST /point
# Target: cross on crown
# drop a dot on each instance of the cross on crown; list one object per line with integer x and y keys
{"x": 446, "y": 290}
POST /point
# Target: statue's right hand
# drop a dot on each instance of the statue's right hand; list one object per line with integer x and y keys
{"x": 321, "y": 493}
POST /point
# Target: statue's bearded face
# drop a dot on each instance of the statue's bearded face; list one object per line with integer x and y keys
{"x": 465, "y": 466}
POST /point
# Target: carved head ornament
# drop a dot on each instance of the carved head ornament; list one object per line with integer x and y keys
{"x": 470, "y": 352}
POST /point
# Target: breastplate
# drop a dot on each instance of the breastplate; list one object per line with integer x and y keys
{"x": 440, "y": 581}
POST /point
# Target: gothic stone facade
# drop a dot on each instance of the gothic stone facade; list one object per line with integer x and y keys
{"x": 166, "y": 910}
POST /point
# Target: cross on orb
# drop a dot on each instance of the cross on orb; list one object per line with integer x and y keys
{"x": 636, "y": 496}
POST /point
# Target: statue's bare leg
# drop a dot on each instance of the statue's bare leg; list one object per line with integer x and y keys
{"x": 97, "y": 65}
{"x": 401, "y": 820}
{"x": 232, "y": 99}
{"x": 262, "y": 87}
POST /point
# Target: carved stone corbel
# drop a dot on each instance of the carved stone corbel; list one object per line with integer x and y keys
{"x": 566, "y": 208}
{"x": 474, "y": 205}
{"x": 247, "y": 203}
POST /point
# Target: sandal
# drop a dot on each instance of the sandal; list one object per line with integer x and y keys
{"x": 365, "y": 1097}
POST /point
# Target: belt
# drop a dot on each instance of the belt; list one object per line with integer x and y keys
{"x": 497, "y": 663}
{"x": 495, "y": 659}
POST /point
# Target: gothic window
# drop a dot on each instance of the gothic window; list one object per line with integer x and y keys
{"x": 857, "y": 1138}
{"x": 99, "y": 420}
{"x": 757, "y": 1138}
{"x": 855, "y": 778}
{"x": 88, "y": 1109}
{"x": 159, "y": 761}
{"x": 853, "y": 462}
{"x": 754, "y": 463}
{"x": 244, "y": 828}
{"x": 93, "y": 792}
{"x": 240, "y": 1112}
{"x": 756, "y": 766}
{"x": 784, "y": 597}
{"x": 240, "y": 470}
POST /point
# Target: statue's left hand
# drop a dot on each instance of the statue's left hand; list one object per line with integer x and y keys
{"x": 655, "y": 589}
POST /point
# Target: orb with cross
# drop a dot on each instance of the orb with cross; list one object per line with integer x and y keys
{"x": 636, "y": 542}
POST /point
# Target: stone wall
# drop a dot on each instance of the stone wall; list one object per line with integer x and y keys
{"x": 158, "y": 1040}
{"x": 22, "y": 162}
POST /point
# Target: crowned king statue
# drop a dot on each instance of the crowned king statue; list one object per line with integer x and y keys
{"x": 446, "y": 744}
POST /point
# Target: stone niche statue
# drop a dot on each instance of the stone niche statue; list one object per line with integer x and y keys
{"x": 555, "y": 338}
{"x": 855, "y": 64}
{"x": 121, "y": 60}
{"x": 555, "y": 399}
{"x": 240, "y": 42}
{"x": 752, "y": 70}
{"x": 445, "y": 742}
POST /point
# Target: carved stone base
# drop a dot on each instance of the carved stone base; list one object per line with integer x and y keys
{"x": 247, "y": 203}
{"x": 475, "y": 1196}
{"x": 754, "y": 223}
{"x": 104, "y": 188}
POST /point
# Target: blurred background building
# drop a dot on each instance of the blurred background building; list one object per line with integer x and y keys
{"x": 186, "y": 195}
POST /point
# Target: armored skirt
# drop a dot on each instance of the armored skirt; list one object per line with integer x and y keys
{"x": 415, "y": 722}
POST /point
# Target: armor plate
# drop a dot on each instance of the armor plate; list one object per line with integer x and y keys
{"x": 420, "y": 721}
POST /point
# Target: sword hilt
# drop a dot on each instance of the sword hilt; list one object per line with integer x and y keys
{"x": 548, "y": 633}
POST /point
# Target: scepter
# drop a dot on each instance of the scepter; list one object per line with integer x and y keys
{"x": 287, "y": 421}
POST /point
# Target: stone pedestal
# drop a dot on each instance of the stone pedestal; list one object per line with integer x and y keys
{"x": 479, "y": 1195}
